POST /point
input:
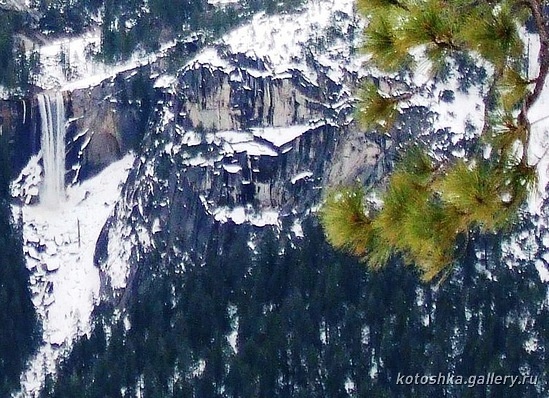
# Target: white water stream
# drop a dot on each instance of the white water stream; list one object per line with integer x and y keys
{"x": 52, "y": 116}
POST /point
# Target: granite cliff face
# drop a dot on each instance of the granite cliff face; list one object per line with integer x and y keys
{"x": 245, "y": 133}
{"x": 232, "y": 145}
{"x": 108, "y": 120}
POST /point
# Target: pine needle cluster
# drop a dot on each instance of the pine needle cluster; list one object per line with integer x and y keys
{"x": 376, "y": 110}
{"x": 428, "y": 206}
{"x": 344, "y": 219}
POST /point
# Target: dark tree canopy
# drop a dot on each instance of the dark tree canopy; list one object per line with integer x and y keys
{"x": 18, "y": 321}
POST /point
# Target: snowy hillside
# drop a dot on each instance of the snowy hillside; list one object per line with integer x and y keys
{"x": 308, "y": 56}
{"x": 59, "y": 245}
{"x": 324, "y": 33}
{"x": 69, "y": 64}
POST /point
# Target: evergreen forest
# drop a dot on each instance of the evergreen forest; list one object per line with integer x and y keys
{"x": 19, "y": 326}
{"x": 307, "y": 321}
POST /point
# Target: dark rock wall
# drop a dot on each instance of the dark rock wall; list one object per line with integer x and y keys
{"x": 19, "y": 121}
{"x": 109, "y": 119}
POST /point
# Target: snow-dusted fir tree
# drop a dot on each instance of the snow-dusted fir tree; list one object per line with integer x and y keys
{"x": 428, "y": 206}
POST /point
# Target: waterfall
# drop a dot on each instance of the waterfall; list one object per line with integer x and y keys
{"x": 52, "y": 116}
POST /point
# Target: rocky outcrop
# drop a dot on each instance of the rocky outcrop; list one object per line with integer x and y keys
{"x": 248, "y": 135}
{"x": 18, "y": 123}
{"x": 109, "y": 119}
{"x": 252, "y": 151}
{"x": 217, "y": 100}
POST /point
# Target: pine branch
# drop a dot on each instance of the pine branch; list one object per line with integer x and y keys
{"x": 494, "y": 35}
{"x": 505, "y": 133}
{"x": 346, "y": 225}
{"x": 430, "y": 23}
{"x": 542, "y": 25}
{"x": 513, "y": 88}
{"x": 427, "y": 207}
{"x": 376, "y": 110}
{"x": 369, "y": 6}
{"x": 475, "y": 191}
{"x": 381, "y": 42}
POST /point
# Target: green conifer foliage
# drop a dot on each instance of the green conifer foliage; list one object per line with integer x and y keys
{"x": 377, "y": 110}
{"x": 382, "y": 41}
{"x": 344, "y": 210}
{"x": 512, "y": 87}
{"x": 427, "y": 206}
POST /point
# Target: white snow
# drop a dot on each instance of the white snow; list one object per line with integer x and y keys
{"x": 297, "y": 229}
{"x": 26, "y": 185}
{"x": 301, "y": 176}
{"x": 117, "y": 267}
{"x": 234, "y": 137}
{"x": 282, "y": 38}
{"x": 365, "y": 335}
{"x": 165, "y": 81}
{"x": 232, "y": 168}
{"x": 531, "y": 345}
{"x": 284, "y": 41}
{"x": 199, "y": 368}
{"x": 222, "y": 2}
{"x": 232, "y": 337}
{"x": 19, "y": 5}
{"x": 279, "y": 136}
{"x": 243, "y": 214}
{"x": 71, "y": 63}
{"x": 4, "y": 94}
{"x": 539, "y": 141}
{"x": 211, "y": 57}
{"x": 191, "y": 138}
{"x": 64, "y": 280}
{"x": 76, "y": 52}
{"x": 242, "y": 141}
{"x": 350, "y": 386}
{"x": 253, "y": 149}
{"x": 543, "y": 270}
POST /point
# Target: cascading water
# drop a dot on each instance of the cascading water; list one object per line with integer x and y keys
{"x": 52, "y": 115}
